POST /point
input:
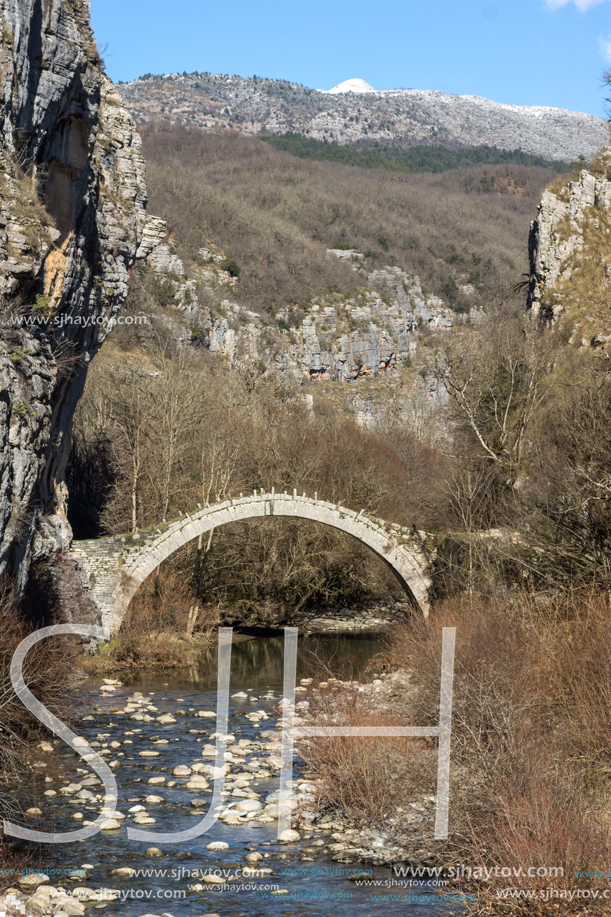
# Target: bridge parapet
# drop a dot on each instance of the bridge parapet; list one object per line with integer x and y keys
{"x": 116, "y": 566}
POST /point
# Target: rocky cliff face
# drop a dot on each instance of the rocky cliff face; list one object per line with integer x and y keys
{"x": 332, "y": 337}
{"x": 570, "y": 254}
{"x": 375, "y": 336}
{"x": 72, "y": 199}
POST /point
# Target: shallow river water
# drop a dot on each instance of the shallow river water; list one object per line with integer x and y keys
{"x": 315, "y": 888}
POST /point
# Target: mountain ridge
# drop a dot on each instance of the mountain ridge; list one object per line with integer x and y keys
{"x": 405, "y": 117}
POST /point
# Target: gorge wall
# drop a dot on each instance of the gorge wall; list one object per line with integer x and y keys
{"x": 72, "y": 218}
{"x": 570, "y": 255}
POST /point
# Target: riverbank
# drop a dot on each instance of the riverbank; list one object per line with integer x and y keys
{"x": 135, "y": 649}
{"x": 360, "y": 805}
{"x": 529, "y": 792}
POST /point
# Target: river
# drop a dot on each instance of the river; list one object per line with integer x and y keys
{"x": 314, "y": 887}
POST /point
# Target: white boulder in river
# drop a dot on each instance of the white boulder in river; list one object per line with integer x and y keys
{"x": 250, "y": 805}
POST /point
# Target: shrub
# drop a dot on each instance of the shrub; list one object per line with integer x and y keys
{"x": 230, "y": 266}
{"x": 530, "y": 729}
{"x": 369, "y": 779}
{"x": 155, "y": 627}
{"x": 48, "y": 672}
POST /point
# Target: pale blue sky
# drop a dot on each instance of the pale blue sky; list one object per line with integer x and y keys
{"x": 530, "y": 52}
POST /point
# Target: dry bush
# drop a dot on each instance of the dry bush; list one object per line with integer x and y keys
{"x": 153, "y": 633}
{"x": 48, "y": 672}
{"x": 530, "y": 730}
{"x": 574, "y": 632}
{"x": 370, "y": 779}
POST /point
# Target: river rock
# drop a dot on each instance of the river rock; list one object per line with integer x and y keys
{"x": 148, "y": 754}
{"x": 70, "y": 789}
{"x": 123, "y": 871}
{"x": 153, "y": 852}
{"x": 181, "y": 771}
{"x": 209, "y": 751}
{"x": 248, "y": 805}
{"x": 217, "y": 845}
{"x": 228, "y": 737}
{"x": 37, "y": 904}
{"x": 33, "y": 880}
{"x": 289, "y": 836}
{"x": 72, "y": 908}
{"x": 84, "y": 894}
{"x": 253, "y": 857}
{"x": 196, "y": 782}
{"x": 231, "y": 818}
{"x": 111, "y": 824}
{"x": 256, "y": 871}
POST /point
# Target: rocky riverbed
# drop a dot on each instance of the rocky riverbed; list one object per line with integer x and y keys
{"x": 159, "y": 739}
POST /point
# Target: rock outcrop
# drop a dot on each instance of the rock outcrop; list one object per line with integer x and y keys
{"x": 570, "y": 252}
{"x": 72, "y": 217}
{"x": 334, "y": 337}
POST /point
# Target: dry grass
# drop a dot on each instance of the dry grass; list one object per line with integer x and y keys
{"x": 369, "y": 779}
{"x": 154, "y": 633}
{"x": 49, "y": 672}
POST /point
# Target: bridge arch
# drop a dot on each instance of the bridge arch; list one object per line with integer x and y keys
{"x": 116, "y": 575}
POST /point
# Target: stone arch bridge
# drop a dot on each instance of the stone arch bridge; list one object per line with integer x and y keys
{"x": 114, "y": 568}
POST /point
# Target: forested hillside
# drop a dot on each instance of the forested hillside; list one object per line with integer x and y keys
{"x": 276, "y": 215}
{"x": 415, "y": 159}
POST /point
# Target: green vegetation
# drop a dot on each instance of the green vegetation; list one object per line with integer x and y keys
{"x": 41, "y": 303}
{"x": 419, "y": 158}
{"x": 17, "y": 356}
{"x": 230, "y": 266}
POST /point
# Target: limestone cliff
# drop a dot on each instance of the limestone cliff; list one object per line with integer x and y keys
{"x": 72, "y": 200}
{"x": 570, "y": 254}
